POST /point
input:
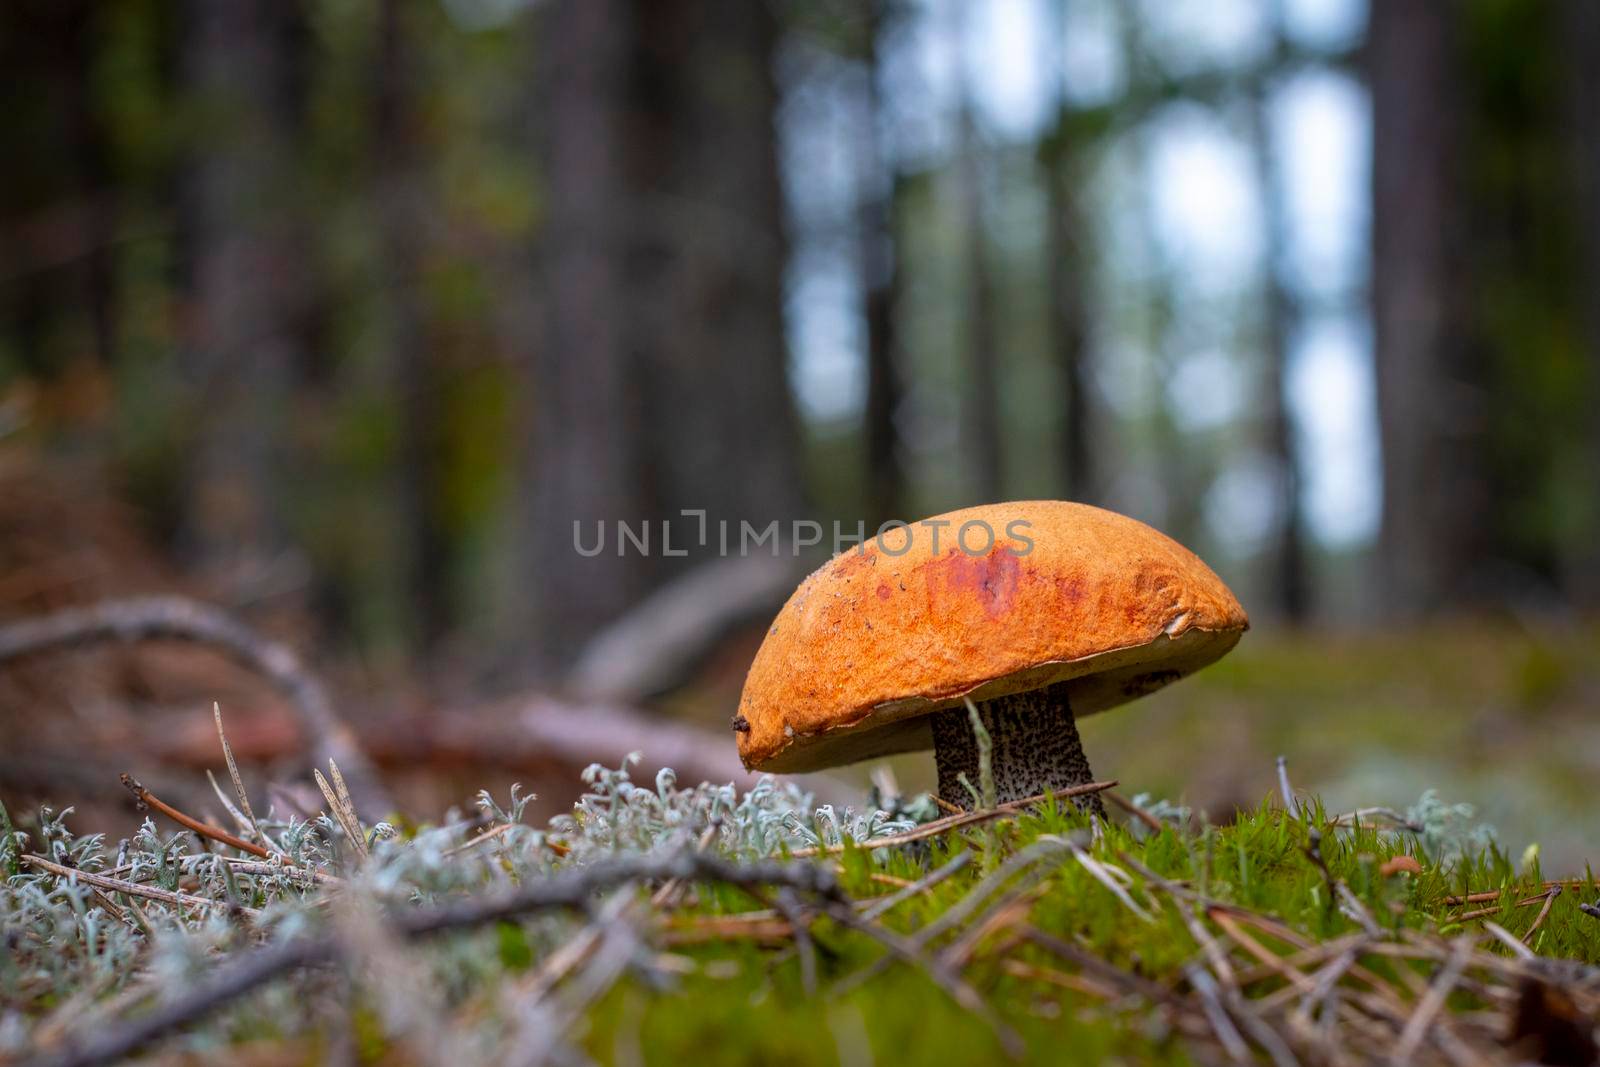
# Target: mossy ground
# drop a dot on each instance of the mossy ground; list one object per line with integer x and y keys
{"x": 735, "y": 1000}
{"x": 759, "y": 1012}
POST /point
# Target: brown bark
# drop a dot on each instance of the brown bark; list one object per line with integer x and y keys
{"x": 1069, "y": 327}
{"x": 707, "y": 260}
{"x": 983, "y": 437}
{"x": 1290, "y": 577}
{"x": 878, "y": 255}
{"x": 1435, "y": 500}
{"x": 403, "y": 209}
{"x": 585, "y": 447}
{"x": 58, "y": 211}
{"x": 1066, "y": 273}
{"x": 244, "y": 275}
{"x": 662, "y": 386}
{"x": 1581, "y": 34}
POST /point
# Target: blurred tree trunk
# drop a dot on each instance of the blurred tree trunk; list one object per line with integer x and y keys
{"x": 876, "y": 220}
{"x": 586, "y": 447}
{"x": 1480, "y": 296}
{"x": 1069, "y": 316}
{"x": 706, "y": 262}
{"x": 1435, "y": 499}
{"x": 1290, "y": 582}
{"x": 57, "y": 191}
{"x": 403, "y": 208}
{"x": 97, "y": 187}
{"x": 1066, "y": 273}
{"x": 244, "y": 276}
{"x": 1581, "y": 36}
{"x": 983, "y": 435}
{"x": 662, "y": 384}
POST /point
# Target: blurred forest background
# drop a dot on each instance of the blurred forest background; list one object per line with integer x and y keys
{"x": 339, "y": 314}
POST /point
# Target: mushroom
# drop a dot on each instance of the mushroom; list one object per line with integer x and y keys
{"x": 1037, "y": 612}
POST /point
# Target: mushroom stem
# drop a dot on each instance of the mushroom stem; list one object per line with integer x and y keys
{"x": 1034, "y": 748}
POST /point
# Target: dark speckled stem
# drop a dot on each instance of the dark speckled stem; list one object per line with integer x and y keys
{"x": 1035, "y": 748}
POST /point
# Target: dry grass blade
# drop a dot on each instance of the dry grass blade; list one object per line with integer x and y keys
{"x": 1544, "y": 913}
{"x": 1269, "y": 959}
{"x": 1322, "y": 986}
{"x": 1317, "y": 956}
{"x": 789, "y": 906}
{"x": 229, "y": 806}
{"x": 1525, "y": 902}
{"x": 491, "y": 834}
{"x": 1007, "y": 913}
{"x": 1077, "y": 983}
{"x": 1216, "y": 1015}
{"x": 1428, "y": 1008}
{"x": 880, "y": 908}
{"x": 1102, "y": 874}
{"x": 238, "y": 782}
{"x": 671, "y": 890}
{"x": 1509, "y": 940}
{"x": 575, "y": 950}
{"x": 346, "y": 819}
{"x": 1215, "y": 955}
{"x": 969, "y": 904}
{"x": 1040, "y": 850}
{"x": 963, "y": 994}
{"x": 1356, "y": 910}
{"x": 1150, "y": 821}
{"x": 540, "y": 1035}
{"x": 762, "y": 928}
{"x": 1357, "y": 819}
{"x": 1290, "y": 804}
{"x": 1102, "y": 970}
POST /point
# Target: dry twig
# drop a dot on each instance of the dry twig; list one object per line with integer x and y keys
{"x": 955, "y": 822}
{"x": 118, "y": 885}
{"x": 148, "y": 799}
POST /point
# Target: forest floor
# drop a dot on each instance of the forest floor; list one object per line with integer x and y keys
{"x": 659, "y": 924}
{"x": 1502, "y": 716}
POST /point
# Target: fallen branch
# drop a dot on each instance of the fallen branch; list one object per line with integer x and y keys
{"x": 526, "y": 734}
{"x": 656, "y": 643}
{"x": 174, "y": 618}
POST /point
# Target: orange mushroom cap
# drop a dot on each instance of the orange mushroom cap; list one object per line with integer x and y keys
{"x": 1032, "y": 593}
